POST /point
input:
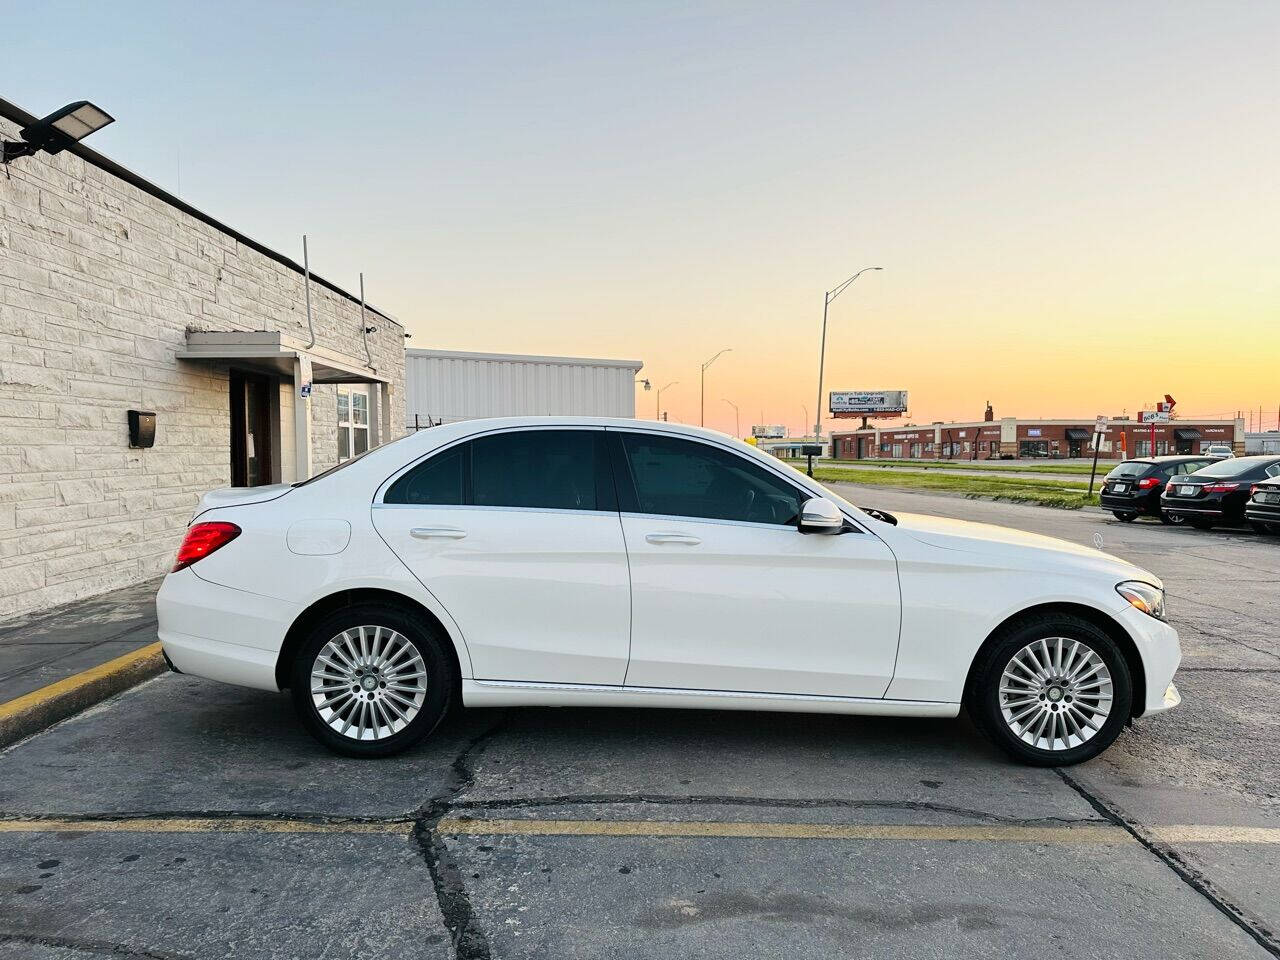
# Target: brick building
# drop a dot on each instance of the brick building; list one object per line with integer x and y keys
{"x": 1010, "y": 438}
{"x": 117, "y": 296}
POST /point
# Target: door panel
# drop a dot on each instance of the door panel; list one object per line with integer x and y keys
{"x": 759, "y": 608}
{"x": 727, "y": 594}
{"x": 517, "y": 534}
{"x": 539, "y": 595}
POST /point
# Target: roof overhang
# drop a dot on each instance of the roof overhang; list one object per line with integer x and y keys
{"x": 275, "y": 353}
{"x": 1186, "y": 433}
{"x": 1077, "y": 433}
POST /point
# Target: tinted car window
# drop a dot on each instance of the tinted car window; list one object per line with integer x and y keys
{"x": 554, "y": 469}
{"x": 1232, "y": 468}
{"x": 1130, "y": 468}
{"x": 684, "y": 478}
{"x": 438, "y": 480}
{"x": 1191, "y": 466}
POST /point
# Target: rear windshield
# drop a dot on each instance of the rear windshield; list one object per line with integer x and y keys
{"x": 1131, "y": 468}
{"x": 1230, "y": 468}
{"x": 346, "y": 463}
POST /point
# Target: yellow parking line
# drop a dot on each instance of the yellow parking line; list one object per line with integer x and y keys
{"x": 1191, "y": 833}
{"x": 1100, "y": 833}
{"x": 201, "y": 825}
{"x": 458, "y": 826}
{"x": 53, "y": 691}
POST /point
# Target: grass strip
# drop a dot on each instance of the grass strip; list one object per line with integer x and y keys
{"x": 998, "y": 466}
{"x": 1048, "y": 493}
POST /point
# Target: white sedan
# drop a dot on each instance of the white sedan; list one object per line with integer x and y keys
{"x": 592, "y": 562}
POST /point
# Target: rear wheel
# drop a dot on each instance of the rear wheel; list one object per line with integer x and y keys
{"x": 1051, "y": 690}
{"x": 1124, "y": 517}
{"x": 1201, "y": 524}
{"x": 1171, "y": 518}
{"x": 371, "y": 681}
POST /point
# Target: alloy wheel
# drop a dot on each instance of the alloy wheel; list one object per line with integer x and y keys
{"x": 1055, "y": 693}
{"x": 368, "y": 683}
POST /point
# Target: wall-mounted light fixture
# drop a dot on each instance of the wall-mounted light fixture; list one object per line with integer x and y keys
{"x": 57, "y": 131}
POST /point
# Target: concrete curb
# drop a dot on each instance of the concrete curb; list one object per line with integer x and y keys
{"x": 42, "y": 708}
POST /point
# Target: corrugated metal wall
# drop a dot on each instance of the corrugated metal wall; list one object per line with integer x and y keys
{"x": 447, "y": 386}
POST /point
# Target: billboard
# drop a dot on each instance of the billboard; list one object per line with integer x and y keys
{"x": 769, "y": 431}
{"x": 868, "y": 403}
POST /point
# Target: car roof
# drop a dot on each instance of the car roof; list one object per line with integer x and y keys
{"x": 1174, "y": 458}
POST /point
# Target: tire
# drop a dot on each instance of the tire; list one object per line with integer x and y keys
{"x": 1124, "y": 517}
{"x": 1201, "y": 524}
{"x": 396, "y": 647}
{"x": 1260, "y": 527}
{"x": 1002, "y": 715}
{"x": 1170, "y": 519}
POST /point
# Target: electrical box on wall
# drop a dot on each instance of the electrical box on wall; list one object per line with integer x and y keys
{"x": 142, "y": 428}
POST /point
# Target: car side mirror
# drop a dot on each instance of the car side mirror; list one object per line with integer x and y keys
{"x": 820, "y": 515}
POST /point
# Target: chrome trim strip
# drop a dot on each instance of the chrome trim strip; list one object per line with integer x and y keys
{"x": 684, "y": 692}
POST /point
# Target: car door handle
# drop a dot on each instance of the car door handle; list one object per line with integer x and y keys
{"x": 437, "y": 533}
{"x": 673, "y": 538}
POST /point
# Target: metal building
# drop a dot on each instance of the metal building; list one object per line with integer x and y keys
{"x": 442, "y": 386}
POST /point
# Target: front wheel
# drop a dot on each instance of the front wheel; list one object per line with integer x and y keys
{"x": 371, "y": 681}
{"x": 1051, "y": 690}
{"x": 1260, "y": 527}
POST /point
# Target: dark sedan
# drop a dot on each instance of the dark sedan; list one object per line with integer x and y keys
{"x": 1218, "y": 493}
{"x": 1263, "y": 509}
{"x": 1133, "y": 488}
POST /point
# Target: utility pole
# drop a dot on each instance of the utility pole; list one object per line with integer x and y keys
{"x": 702, "y": 401}
{"x": 657, "y": 406}
{"x": 737, "y": 420}
{"x": 822, "y": 351}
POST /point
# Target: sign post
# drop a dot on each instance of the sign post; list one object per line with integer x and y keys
{"x": 1099, "y": 429}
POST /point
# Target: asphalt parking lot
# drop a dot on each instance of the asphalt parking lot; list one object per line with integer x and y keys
{"x": 188, "y": 819}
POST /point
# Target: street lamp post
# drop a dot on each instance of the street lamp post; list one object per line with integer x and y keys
{"x": 737, "y": 420}
{"x": 702, "y": 400}
{"x": 822, "y": 353}
{"x": 657, "y": 407}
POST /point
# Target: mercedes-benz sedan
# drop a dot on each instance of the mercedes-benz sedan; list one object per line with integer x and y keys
{"x": 576, "y": 562}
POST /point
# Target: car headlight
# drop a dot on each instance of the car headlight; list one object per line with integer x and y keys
{"x": 1143, "y": 596}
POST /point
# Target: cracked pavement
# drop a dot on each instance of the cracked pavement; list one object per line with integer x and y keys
{"x": 189, "y": 819}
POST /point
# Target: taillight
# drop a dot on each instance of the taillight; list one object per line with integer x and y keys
{"x": 202, "y": 539}
{"x": 1220, "y": 487}
{"x": 1146, "y": 483}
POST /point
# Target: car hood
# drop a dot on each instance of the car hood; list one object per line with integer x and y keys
{"x": 1016, "y": 548}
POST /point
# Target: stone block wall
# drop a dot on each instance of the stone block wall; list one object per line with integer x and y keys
{"x": 99, "y": 283}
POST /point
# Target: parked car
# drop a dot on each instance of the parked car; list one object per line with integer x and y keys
{"x": 1219, "y": 451}
{"x": 1217, "y": 493}
{"x": 591, "y": 562}
{"x": 1133, "y": 488}
{"x": 1263, "y": 508}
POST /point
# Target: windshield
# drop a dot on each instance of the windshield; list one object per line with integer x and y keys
{"x": 1130, "y": 468}
{"x": 1229, "y": 468}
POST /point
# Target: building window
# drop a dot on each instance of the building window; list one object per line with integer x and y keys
{"x": 353, "y": 423}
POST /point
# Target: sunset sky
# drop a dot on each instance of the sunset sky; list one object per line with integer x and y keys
{"x": 1076, "y": 206}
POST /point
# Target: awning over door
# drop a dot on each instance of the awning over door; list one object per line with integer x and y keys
{"x": 1076, "y": 433}
{"x": 275, "y": 353}
{"x": 1186, "y": 434}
